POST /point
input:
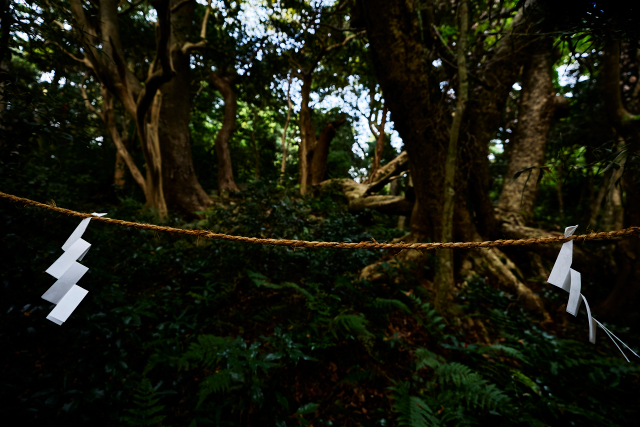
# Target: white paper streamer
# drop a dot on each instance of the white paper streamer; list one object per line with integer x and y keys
{"x": 62, "y": 264}
{"x": 592, "y": 323}
{"x": 566, "y": 278}
{"x": 69, "y": 302}
{"x": 64, "y": 292}
{"x": 574, "y": 293}
{"x": 70, "y": 277}
{"x": 560, "y": 271}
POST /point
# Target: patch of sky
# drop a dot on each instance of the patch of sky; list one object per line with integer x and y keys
{"x": 495, "y": 147}
{"x": 516, "y": 86}
{"x": 352, "y": 100}
{"x": 437, "y": 63}
{"x": 47, "y": 77}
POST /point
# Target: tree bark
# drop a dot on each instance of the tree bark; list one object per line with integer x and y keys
{"x": 403, "y": 66}
{"x": 320, "y": 153}
{"x": 307, "y": 133}
{"x": 377, "y": 156}
{"x": 627, "y": 252}
{"x": 535, "y": 113}
{"x": 103, "y": 54}
{"x": 444, "y": 280}
{"x": 314, "y": 150}
{"x": 413, "y": 100}
{"x": 285, "y": 145}
{"x": 181, "y": 186}
{"x": 224, "y": 85}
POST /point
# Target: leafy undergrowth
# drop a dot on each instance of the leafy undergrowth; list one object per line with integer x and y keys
{"x": 186, "y": 332}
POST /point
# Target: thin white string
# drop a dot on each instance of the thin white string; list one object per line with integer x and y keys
{"x": 606, "y": 331}
{"x": 636, "y": 354}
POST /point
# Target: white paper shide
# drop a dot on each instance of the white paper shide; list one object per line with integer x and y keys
{"x": 566, "y": 278}
{"x": 65, "y": 293}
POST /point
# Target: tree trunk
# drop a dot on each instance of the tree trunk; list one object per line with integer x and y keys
{"x": 104, "y": 55}
{"x": 535, "y": 114}
{"x": 627, "y": 254}
{"x": 307, "y": 134}
{"x": 314, "y": 150}
{"x": 444, "y": 280}
{"x": 181, "y": 186}
{"x": 320, "y": 154}
{"x": 413, "y": 100}
{"x": 224, "y": 85}
{"x": 285, "y": 144}
{"x": 404, "y": 69}
{"x": 109, "y": 118}
{"x": 377, "y": 156}
{"x": 254, "y": 143}
{"x": 153, "y": 158}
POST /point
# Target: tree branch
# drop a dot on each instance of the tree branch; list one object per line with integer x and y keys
{"x": 345, "y": 41}
{"x": 611, "y": 84}
{"x": 176, "y": 7}
{"x": 157, "y": 76}
{"x": 132, "y": 7}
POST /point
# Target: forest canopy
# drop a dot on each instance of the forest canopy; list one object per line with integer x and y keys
{"x": 408, "y": 121}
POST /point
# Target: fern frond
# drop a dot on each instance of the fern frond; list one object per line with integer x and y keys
{"x": 455, "y": 373}
{"x": 509, "y": 351}
{"x": 426, "y": 358}
{"x": 219, "y": 381}
{"x": 206, "y": 351}
{"x": 389, "y": 305}
{"x": 146, "y": 408}
{"x": 411, "y": 411}
{"x": 470, "y": 387}
{"x": 355, "y": 325}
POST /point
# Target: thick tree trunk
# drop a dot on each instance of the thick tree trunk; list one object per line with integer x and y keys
{"x": 307, "y": 134}
{"x": 535, "y": 114}
{"x": 627, "y": 285}
{"x": 182, "y": 189}
{"x": 377, "y": 156}
{"x": 444, "y": 280}
{"x": 153, "y": 158}
{"x": 413, "y": 100}
{"x": 320, "y": 153}
{"x": 485, "y": 109}
{"x": 314, "y": 150}
{"x": 404, "y": 71}
{"x": 109, "y": 118}
{"x": 285, "y": 143}
{"x": 224, "y": 85}
{"x": 104, "y": 55}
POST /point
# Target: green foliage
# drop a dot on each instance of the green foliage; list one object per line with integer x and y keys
{"x": 234, "y": 334}
{"x": 411, "y": 411}
{"x": 354, "y": 325}
{"x": 146, "y": 411}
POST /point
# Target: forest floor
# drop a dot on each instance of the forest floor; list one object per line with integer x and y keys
{"x": 181, "y": 331}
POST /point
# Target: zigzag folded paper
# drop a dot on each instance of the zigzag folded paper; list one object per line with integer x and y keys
{"x": 566, "y": 278}
{"x": 64, "y": 292}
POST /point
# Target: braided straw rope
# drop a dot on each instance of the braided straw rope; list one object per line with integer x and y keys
{"x": 306, "y": 244}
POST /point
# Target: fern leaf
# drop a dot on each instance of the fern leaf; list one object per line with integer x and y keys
{"x": 411, "y": 411}
{"x": 355, "y": 325}
{"x": 390, "y": 305}
{"x": 220, "y": 381}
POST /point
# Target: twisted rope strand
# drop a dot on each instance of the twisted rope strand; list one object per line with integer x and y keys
{"x": 307, "y": 244}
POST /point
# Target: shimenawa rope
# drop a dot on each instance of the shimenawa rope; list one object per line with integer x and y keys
{"x": 342, "y": 245}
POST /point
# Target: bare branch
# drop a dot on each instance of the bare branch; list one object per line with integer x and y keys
{"x": 176, "y": 7}
{"x": 132, "y": 7}
{"x": 203, "y": 31}
{"x": 161, "y": 71}
{"x": 345, "y": 41}
{"x": 87, "y": 102}
{"x": 83, "y": 60}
